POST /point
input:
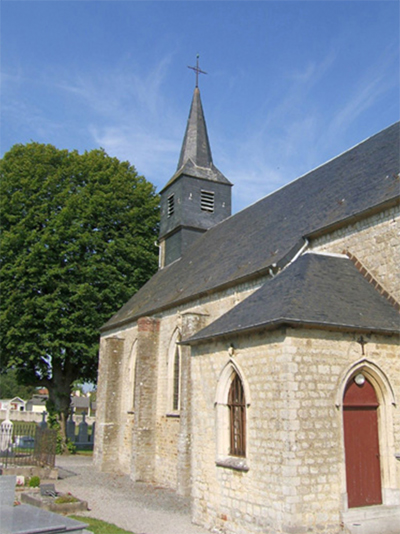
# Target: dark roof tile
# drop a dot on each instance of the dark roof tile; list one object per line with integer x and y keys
{"x": 315, "y": 290}
{"x": 271, "y": 231}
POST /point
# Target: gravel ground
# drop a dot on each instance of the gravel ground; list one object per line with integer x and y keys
{"x": 137, "y": 507}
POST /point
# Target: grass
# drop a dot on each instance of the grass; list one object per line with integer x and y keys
{"x": 84, "y": 453}
{"x": 100, "y": 527}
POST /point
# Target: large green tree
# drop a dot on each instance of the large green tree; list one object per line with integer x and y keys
{"x": 78, "y": 233}
{"x": 10, "y": 387}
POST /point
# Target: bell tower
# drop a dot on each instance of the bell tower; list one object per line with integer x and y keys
{"x": 198, "y": 195}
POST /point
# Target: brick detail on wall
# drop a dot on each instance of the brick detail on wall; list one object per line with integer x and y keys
{"x": 368, "y": 276}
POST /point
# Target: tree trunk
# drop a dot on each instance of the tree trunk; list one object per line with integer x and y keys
{"x": 60, "y": 389}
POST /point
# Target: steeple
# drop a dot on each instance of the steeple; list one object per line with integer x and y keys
{"x": 198, "y": 195}
{"x": 195, "y": 158}
{"x": 196, "y": 146}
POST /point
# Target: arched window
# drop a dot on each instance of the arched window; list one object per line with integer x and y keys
{"x": 237, "y": 418}
{"x": 176, "y": 386}
{"x": 174, "y": 375}
{"x": 232, "y": 406}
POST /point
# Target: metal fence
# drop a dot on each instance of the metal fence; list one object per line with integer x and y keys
{"x": 23, "y": 444}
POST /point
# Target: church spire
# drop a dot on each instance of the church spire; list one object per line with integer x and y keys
{"x": 198, "y": 196}
{"x": 196, "y": 146}
{"x": 195, "y": 158}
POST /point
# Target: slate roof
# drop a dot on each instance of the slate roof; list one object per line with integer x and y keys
{"x": 316, "y": 291}
{"x": 38, "y": 400}
{"x": 356, "y": 183}
{"x": 195, "y": 158}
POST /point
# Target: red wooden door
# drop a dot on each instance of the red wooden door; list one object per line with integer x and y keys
{"x": 361, "y": 442}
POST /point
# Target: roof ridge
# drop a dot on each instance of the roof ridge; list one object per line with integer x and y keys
{"x": 372, "y": 280}
{"x": 320, "y": 166}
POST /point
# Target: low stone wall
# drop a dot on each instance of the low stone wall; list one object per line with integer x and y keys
{"x": 26, "y": 417}
{"x": 44, "y": 473}
{"x": 36, "y": 417}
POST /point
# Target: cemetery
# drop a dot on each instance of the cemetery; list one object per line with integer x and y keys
{"x": 28, "y": 519}
{"x": 47, "y": 498}
{"x": 27, "y": 456}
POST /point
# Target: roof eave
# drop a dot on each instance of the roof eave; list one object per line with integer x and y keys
{"x": 355, "y": 217}
{"x": 259, "y": 273}
{"x": 294, "y": 323}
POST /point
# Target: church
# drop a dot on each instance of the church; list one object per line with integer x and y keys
{"x": 258, "y": 371}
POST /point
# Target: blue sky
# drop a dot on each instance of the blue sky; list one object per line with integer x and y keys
{"x": 289, "y": 84}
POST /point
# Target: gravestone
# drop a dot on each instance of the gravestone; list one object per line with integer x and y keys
{"x": 48, "y": 490}
{"x": 71, "y": 429}
{"x": 83, "y": 430}
{"x": 7, "y": 490}
{"x": 26, "y": 519}
{"x": 43, "y": 423}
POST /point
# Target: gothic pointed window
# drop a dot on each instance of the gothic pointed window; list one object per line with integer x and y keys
{"x": 176, "y": 381}
{"x": 237, "y": 418}
{"x": 174, "y": 376}
{"x": 232, "y": 403}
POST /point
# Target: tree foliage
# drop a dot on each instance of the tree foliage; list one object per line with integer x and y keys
{"x": 10, "y": 387}
{"x": 78, "y": 236}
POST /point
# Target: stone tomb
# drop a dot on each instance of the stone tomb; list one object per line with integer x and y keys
{"x": 26, "y": 519}
{"x": 46, "y": 499}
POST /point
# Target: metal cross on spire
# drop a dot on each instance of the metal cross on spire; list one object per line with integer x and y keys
{"x": 197, "y": 70}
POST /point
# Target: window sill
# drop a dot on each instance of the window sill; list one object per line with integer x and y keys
{"x": 233, "y": 462}
{"x": 174, "y": 414}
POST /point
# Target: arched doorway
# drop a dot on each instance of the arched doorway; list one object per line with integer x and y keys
{"x": 361, "y": 441}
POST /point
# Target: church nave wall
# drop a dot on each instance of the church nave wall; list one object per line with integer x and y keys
{"x": 375, "y": 241}
{"x": 295, "y": 454}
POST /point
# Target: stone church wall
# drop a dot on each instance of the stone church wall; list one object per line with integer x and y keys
{"x": 115, "y": 401}
{"x": 295, "y": 454}
{"x": 375, "y": 241}
{"x": 169, "y": 427}
{"x": 115, "y": 447}
{"x": 294, "y": 428}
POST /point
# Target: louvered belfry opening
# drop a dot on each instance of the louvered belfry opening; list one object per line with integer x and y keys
{"x": 171, "y": 205}
{"x": 207, "y": 201}
{"x": 237, "y": 409}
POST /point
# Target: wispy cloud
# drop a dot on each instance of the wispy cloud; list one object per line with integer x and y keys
{"x": 303, "y": 129}
{"x": 150, "y": 151}
{"x": 130, "y": 116}
{"x": 376, "y": 81}
{"x": 124, "y": 110}
{"x": 123, "y": 90}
